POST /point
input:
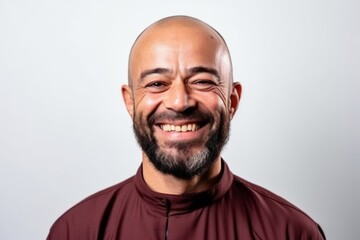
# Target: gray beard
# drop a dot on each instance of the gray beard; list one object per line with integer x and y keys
{"x": 181, "y": 164}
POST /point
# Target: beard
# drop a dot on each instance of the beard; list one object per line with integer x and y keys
{"x": 181, "y": 161}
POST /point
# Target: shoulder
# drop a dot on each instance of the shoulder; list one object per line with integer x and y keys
{"x": 85, "y": 217}
{"x": 103, "y": 198}
{"x": 266, "y": 197}
{"x": 270, "y": 212}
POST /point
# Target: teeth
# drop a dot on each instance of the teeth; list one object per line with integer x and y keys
{"x": 182, "y": 128}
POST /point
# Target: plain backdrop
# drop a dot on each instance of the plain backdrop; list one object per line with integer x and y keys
{"x": 65, "y": 133}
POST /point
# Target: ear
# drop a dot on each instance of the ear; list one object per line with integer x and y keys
{"x": 128, "y": 98}
{"x": 235, "y": 96}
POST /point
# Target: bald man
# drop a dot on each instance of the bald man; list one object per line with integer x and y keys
{"x": 181, "y": 98}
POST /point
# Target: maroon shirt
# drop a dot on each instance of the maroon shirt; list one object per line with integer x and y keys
{"x": 232, "y": 209}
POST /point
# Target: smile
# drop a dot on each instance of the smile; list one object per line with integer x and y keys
{"x": 179, "y": 128}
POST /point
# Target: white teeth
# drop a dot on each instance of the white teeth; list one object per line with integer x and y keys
{"x": 182, "y": 128}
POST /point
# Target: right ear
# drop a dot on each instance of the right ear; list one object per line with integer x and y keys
{"x": 128, "y": 98}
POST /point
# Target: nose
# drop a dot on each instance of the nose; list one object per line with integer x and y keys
{"x": 178, "y": 97}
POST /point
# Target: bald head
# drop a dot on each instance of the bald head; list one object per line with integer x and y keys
{"x": 180, "y": 34}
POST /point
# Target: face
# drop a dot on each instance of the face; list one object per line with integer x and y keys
{"x": 180, "y": 98}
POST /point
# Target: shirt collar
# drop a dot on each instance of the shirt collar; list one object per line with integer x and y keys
{"x": 184, "y": 202}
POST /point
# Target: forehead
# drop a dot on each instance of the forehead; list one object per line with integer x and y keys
{"x": 177, "y": 30}
{"x": 181, "y": 45}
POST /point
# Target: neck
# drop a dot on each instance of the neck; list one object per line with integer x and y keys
{"x": 169, "y": 184}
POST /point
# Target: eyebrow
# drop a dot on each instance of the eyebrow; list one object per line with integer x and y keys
{"x": 190, "y": 71}
{"x": 201, "y": 69}
{"x": 153, "y": 71}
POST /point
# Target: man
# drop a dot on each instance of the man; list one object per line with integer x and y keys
{"x": 181, "y": 97}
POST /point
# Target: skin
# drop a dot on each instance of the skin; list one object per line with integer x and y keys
{"x": 176, "y": 64}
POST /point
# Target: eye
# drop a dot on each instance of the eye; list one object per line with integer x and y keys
{"x": 204, "y": 84}
{"x": 156, "y": 86}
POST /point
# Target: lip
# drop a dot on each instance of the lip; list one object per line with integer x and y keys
{"x": 179, "y": 122}
{"x": 198, "y": 133}
{"x": 180, "y": 125}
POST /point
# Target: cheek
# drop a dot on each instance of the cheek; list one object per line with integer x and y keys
{"x": 146, "y": 103}
{"x": 216, "y": 101}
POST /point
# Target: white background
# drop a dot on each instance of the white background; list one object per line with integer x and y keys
{"x": 65, "y": 134}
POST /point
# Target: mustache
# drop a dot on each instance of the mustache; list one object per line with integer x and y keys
{"x": 189, "y": 114}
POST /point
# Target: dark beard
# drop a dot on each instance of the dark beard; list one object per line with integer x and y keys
{"x": 174, "y": 164}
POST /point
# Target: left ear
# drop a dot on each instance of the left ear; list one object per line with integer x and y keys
{"x": 235, "y": 96}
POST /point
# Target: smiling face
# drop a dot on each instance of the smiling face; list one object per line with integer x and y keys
{"x": 181, "y": 96}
